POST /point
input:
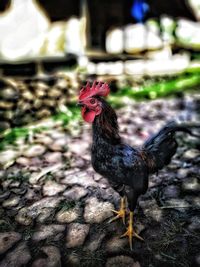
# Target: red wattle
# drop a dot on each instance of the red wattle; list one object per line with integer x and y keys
{"x": 88, "y": 115}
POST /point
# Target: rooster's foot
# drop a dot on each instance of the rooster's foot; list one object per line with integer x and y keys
{"x": 130, "y": 232}
{"x": 122, "y": 211}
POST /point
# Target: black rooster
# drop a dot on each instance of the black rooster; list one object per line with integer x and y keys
{"x": 127, "y": 168}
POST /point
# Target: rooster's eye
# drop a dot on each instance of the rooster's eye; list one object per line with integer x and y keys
{"x": 92, "y": 101}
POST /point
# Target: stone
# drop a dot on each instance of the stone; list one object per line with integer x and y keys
{"x": 97, "y": 211}
{"x": 11, "y": 202}
{"x": 18, "y": 257}
{"x": 116, "y": 244}
{"x": 14, "y": 184}
{"x": 45, "y": 214}
{"x": 194, "y": 224}
{"x": 36, "y": 176}
{"x": 177, "y": 203}
{"x": 122, "y": 261}
{"x": 75, "y": 193}
{"x": 44, "y": 139}
{"x": 73, "y": 260}
{"x": 51, "y": 188}
{"x": 171, "y": 191}
{"x": 151, "y": 209}
{"x": 76, "y": 234}
{"x": 191, "y": 185}
{"x": 79, "y": 148}
{"x": 77, "y": 177}
{"x": 191, "y": 154}
{"x": 34, "y": 151}
{"x": 59, "y": 144}
{"x": 19, "y": 190}
{"x": 52, "y": 259}
{"x": 7, "y": 240}
{"x": 46, "y": 231}
{"x": 53, "y": 157}
{"x": 103, "y": 183}
{"x": 41, "y": 262}
{"x": 182, "y": 173}
{"x": 197, "y": 260}
{"x": 68, "y": 216}
{"x": 4, "y": 195}
{"x": 7, "y": 156}
{"x": 23, "y": 161}
{"x": 96, "y": 241}
{"x": 23, "y": 218}
{"x": 25, "y": 215}
{"x": 97, "y": 177}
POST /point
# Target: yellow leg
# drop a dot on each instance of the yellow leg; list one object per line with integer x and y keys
{"x": 122, "y": 211}
{"x": 130, "y": 232}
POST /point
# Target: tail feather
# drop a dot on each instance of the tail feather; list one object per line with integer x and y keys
{"x": 163, "y": 145}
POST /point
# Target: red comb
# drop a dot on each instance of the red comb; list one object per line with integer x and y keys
{"x": 100, "y": 89}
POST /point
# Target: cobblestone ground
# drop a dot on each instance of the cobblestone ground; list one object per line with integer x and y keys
{"x": 55, "y": 210}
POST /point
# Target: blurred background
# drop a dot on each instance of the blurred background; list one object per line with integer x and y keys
{"x": 143, "y": 48}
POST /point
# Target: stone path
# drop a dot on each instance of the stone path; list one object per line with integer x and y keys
{"x": 55, "y": 210}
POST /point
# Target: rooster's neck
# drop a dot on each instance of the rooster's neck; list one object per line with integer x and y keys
{"x": 105, "y": 126}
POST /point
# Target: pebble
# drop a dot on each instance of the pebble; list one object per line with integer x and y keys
{"x": 191, "y": 154}
{"x": 191, "y": 185}
{"x": 34, "y": 151}
{"x": 194, "y": 224}
{"x": 18, "y": 257}
{"x": 4, "y": 195}
{"x": 46, "y": 231}
{"x": 68, "y": 216}
{"x": 11, "y": 202}
{"x": 26, "y": 214}
{"x": 23, "y": 161}
{"x": 73, "y": 260}
{"x": 121, "y": 261}
{"x": 116, "y": 244}
{"x": 7, "y": 156}
{"x": 23, "y": 218}
{"x": 19, "y": 190}
{"x": 45, "y": 214}
{"x": 96, "y": 242}
{"x": 53, "y": 157}
{"x": 52, "y": 259}
{"x": 79, "y": 148}
{"x": 51, "y": 188}
{"x": 41, "y": 262}
{"x": 171, "y": 191}
{"x": 75, "y": 193}
{"x": 176, "y": 202}
{"x": 7, "y": 240}
{"x": 59, "y": 145}
{"x": 76, "y": 234}
{"x": 182, "y": 173}
{"x": 151, "y": 209}
{"x": 78, "y": 177}
{"x": 44, "y": 139}
{"x": 97, "y": 211}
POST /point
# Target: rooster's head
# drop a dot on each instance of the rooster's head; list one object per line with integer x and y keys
{"x": 90, "y": 101}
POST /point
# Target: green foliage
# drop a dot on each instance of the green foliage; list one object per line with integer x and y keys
{"x": 10, "y": 137}
{"x": 163, "y": 88}
{"x": 71, "y": 113}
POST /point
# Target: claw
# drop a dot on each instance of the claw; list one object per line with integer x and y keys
{"x": 130, "y": 232}
{"x": 121, "y": 213}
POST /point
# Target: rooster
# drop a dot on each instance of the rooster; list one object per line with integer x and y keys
{"x": 126, "y": 168}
